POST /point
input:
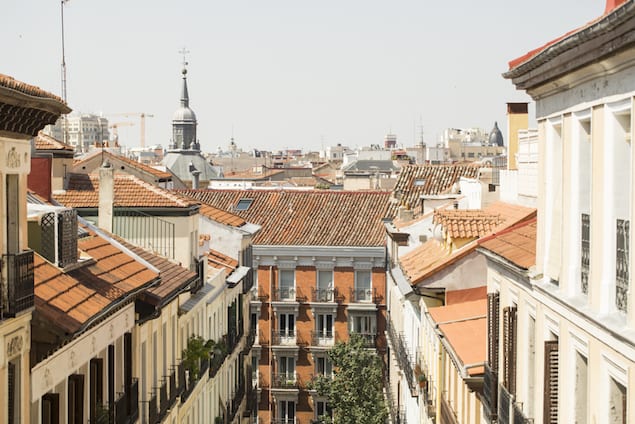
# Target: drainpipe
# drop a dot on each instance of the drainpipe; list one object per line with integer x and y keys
{"x": 106, "y": 196}
{"x": 270, "y": 341}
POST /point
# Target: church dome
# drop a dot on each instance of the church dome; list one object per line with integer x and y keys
{"x": 495, "y": 136}
{"x": 184, "y": 113}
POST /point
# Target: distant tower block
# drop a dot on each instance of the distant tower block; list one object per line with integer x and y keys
{"x": 390, "y": 141}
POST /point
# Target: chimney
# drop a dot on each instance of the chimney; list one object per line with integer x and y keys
{"x": 106, "y": 196}
{"x": 517, "y": 119}
{"x": 612, "y": 4}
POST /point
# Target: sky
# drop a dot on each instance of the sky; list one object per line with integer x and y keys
{"x": 283, "y": 74}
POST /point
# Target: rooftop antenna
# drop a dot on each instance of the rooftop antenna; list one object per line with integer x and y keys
{"x": 64, "y": 124}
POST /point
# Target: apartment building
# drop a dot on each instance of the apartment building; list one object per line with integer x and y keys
{"x": 562, "y": 345}
{"x": 26, "y": 110}
{"x": 320, "y": 261}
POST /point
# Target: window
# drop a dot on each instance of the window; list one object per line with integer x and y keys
{"x": 490, "y": 381}
{"x": 51, "y": 408}
{"x": 365, "y": 326}
{"x": 325, "y": 325}
{"x": 322, "y": 408}
{"x": 323, "y": 366}
{"x": 363, "y": 292}
{"x": 585, "y": 254}
{"x": 286, "y": 325}
{"x": 286, "y": 372}
{"x": 243, "y": 204}
{"x": 622, "y": 265}
{"x": 287, "y": 285}
{"x": 617, "y": 402}
{"x": 96, "y": 386}
{"x": 286, "y": 412}
{"x": 324, "y": 286}
{"x": 581, "y": 398}
{"x": 76, "y": 399}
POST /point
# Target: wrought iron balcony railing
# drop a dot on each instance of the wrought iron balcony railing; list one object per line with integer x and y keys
{"x": 163, "y": 399}
{"x": 284, "y": 295}
{"x": 17, "y": 294}
{"x": 505, "y": 402}
{"x": 153, "y": 411}
{"x": 324, "y": 295}
{"x": 283, "y": 338}
{"x": 363, "y": 295}
{"x": 173, "y": 388}
{"x": 403, "y": 357}
{"x": 133, "y": 401}
{"x": 323, "y": 338}
{"x": 490, "y": 394}
{"x": 285, "y": 381}
{"x": 369, "y": 338}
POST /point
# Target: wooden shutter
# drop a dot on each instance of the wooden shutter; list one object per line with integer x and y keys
{"x": 51, "y": 408}
{"x": 11, "y": 375}
{"x": 76, "y": 399}
{"x": 551, "y": 382}
{"x": 509, "y": 349}
{"x": 493, "y": 309}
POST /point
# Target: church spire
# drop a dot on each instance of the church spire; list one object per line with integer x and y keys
{"x": 184, "y": 119}
{"x": 185, "y": 98}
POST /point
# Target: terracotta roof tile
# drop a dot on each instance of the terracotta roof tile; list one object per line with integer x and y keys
{"x": 130, "y": 191}
{"x": 31, "y": 90}
{"x": 516, "y": 244}
{"x": 431, "y": 256}
{"x": 465, "y": 295}
{"x": 46, "y": 142}
{"x": 221, "y": 216}
{"x": 71, "y": 299}
{"x": 465, "y": 329}
{"x": 417, "y": 180}
{"x": 218, "y": 260}
{"x": 174, "y": 278}
{"x": 156, "y": 173}
{"x": 458, "y": 223}
{"x": 307, "y": 218}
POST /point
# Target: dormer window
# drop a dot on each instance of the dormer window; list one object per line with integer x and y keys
{"x": 243, "y": 204}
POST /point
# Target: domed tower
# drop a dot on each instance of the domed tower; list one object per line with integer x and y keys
{"x": 184, "y": 122}
{"x": 495, "y": 136}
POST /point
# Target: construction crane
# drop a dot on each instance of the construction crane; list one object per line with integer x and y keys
{"x": 115, "y": 133}
{"x": 142, "y": 117}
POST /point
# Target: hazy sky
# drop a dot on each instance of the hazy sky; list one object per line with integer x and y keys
{"x": 286, "y": 73}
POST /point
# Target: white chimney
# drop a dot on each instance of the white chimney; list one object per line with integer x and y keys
{"x": 106, "y": 196}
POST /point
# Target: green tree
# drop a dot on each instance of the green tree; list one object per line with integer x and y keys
{"x": 197, "y": 350}
{"x": 355, "y": 392}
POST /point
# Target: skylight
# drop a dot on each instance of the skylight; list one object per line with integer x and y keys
{"x": 243, "y": 204}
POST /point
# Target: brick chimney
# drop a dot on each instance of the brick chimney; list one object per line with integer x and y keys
{"x": 106, "y": 196}
{"x": 517, "y": 119}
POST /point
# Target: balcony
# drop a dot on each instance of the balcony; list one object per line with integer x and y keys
{"x": 403, "y": 357}
{"x": 360, "y": 295}
{"x": 17, "y": 295}
{"x": 283, "y": 338}
{"x": 324, "y": 295}
{"x": 490, "y": 394}
{"x": 173, "y": 389}
{"x": 448, "y": 415}
{"x": 284, "y": 295}
{"x": 322, "y": 338}
{"x": 505, "y": 402}
{"x": 585, "y": 253}
{"x": 153, "y": 412}
{"x": 369, "y": 338}
{"x": 163, "y": 399}
{"x": 622, "y": 264}
{"x": 519, "y": 417}
{"x": 285, "y": 381}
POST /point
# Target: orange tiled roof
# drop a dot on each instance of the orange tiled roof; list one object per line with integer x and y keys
{"x": 431, "y": 257}
{"x": 70, "y": 300}
{"x": 516, "y": 244}
{"x": 465, "y": 329}
{"x": 218, "y": 260}
{"x": 418, "y": 180}
{"x": 31, "y": 90}
{"x": 221, "y": 216}
{"x": 46, "y": 142}
{"x": 174, "y": 277}
{"x": 306, "y": 218}
{"x": 156, "y": 173}
{"x": 610, "y": 6}
{"x": 465, "y": 295}
{"x": 83, "y": 192}
{"x": 460, "y": 223}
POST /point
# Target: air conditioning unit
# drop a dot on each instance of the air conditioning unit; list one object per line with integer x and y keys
{"x": 56, "y": 237}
